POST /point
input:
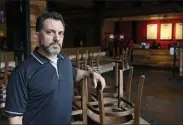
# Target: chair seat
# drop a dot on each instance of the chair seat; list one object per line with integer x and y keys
{"x": 111, "y": 120}
{"x": 77, "y": 123}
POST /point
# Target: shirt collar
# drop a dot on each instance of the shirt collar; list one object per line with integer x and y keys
{"x": 42, "y": 59}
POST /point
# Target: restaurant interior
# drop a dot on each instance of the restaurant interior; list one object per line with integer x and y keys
{"x": 137, "y": 46}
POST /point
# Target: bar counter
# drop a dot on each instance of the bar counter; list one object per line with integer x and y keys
{"x": 154, "y": 58}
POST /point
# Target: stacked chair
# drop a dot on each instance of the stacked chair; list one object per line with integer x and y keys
{"x": 109, "y": 108}
{"x": 103, "y": 110}
{"x": 81, "y": 61}
{"x": 116, "y": 110}
{"x": 93, "y": 61}
{"x": 80, "y": 97}
{"x": 119, "y": 85}
{"x": 79, "y": 113}
{"x": 124, "y": 60}
{"x": 122, "y": 64}
{"x": 3, "y": 84}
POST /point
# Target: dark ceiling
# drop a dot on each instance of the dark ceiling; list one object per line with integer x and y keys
{"x": 113, "y": 8}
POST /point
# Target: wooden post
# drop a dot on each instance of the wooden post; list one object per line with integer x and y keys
{"x": 36, "y": 8}
{"x": 181, "y": 61}
{"x": 116, "y": 76}
{"x": 120, "y": 87}
{"x": 84, "y": 100}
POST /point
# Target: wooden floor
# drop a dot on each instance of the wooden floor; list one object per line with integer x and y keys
{"x": 162, "y": 96}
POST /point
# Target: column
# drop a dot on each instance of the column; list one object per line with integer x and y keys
{"x": 36, "y": 8}
{"x": 181, "y": 61}
{"x": 17, "y": 25}
{"x": 98, "y": 21}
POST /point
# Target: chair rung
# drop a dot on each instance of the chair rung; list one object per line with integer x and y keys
{"x": 77, "y": 123}
{"x": 78, "y": 112}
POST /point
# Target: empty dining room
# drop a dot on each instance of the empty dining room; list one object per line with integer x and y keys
{"x": 136, "y": 47}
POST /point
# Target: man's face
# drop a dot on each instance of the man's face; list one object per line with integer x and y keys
{"x": 51, "y": 36}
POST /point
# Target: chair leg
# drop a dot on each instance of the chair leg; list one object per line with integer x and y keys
{"x": 120, "y": 87}
{"x": 116, "y": 76}
{"x": 129, "y": 82}
{"x": 138, "y": 100}
{"x": 84, "y": 100}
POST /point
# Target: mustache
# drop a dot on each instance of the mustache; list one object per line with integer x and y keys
{"x": 55, "y": 43}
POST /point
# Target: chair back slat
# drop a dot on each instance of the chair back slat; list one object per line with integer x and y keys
{"x": 84, "y": 100}
{"x": 6, "y": 70}
{"x": 120, "y": 111}
{"x": 128, "y": 85}
{"x": 138, "y": 100}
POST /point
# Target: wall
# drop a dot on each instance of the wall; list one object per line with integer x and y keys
{"x": 85, "y": 27}
{"x": 126, "y": 28}
{"x": 108, "y": 27}
{"x": 141, "y": 31}
{"x": 77, "y": 30}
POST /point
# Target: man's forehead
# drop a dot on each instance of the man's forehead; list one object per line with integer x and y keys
{"x": 53, "y": 24}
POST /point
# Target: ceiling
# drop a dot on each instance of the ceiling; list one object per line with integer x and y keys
{"x": 149, "y": 17}
{"x": 123, "y": 9}
{"x": 86, "y": 7}
{"x": 78, "y": 3}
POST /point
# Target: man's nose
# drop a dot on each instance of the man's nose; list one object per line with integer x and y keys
{"x": 56, "y": 37}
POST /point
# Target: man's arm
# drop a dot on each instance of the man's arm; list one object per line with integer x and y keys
{"x": 93, "y": 75}
{"x": 82, "y": 74}
{"x": 16, "y": 97}
{"x": 15, "y": 120}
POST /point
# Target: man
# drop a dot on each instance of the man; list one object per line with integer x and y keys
{"x": 40, "y": 89}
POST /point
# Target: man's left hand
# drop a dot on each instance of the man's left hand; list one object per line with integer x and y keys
{"x": 98, "y": 79}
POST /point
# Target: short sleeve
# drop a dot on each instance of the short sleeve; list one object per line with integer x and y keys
{"x": 16, "y": 97}
{"x": 74, "y": 72}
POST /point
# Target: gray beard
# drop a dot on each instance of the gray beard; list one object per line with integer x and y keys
{"x": 50, "y": 51}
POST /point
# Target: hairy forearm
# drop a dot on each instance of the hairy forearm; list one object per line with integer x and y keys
{"x": 15, "y": 120}
{"x": 82, "y": 74}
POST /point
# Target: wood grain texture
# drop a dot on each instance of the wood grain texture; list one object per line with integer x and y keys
{"x": 36, "y": 8}
{"x": 73, "y": 51}
{"x": 153, "y": 57}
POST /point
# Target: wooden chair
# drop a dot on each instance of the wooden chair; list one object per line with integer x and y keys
{"x": 79, "y": 113}
{"x": 81, "y": 62}
{"x": 2, "y": 104}
{"x": 4, "y": 78}
{"x": 121, "y": 111}
{"x": 93, "y": 61}
{"x": 3, "y": 85}
{"x": 123, "y": 59}
{"x": 2, "y": 96}
{"x": 119, "y": 86}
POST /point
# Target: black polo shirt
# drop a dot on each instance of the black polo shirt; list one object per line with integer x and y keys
{"x": 36, "y": 92}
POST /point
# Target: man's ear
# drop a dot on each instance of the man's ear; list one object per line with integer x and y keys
{"x": 36, "y": 35}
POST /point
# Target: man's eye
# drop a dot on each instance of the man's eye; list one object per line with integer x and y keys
{"x": 61, "y": 34}
{"x": 49, "y": 32}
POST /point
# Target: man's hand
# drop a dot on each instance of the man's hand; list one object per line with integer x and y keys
{"x": 15, "y": 120}
{"x": 98, "y": 79}
{"x": 95, "y": 77}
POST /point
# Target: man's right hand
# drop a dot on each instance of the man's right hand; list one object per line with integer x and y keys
{"x": 15, "y": 120}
